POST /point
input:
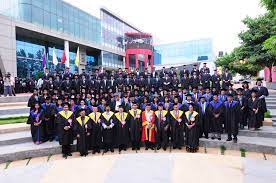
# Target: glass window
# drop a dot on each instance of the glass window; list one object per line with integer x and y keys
{"x": 66, "y": 25}
{"x": 53, "y": 4}
{"x": 37, "y": 15}
{"x": 38, "y": 3}
{"x": 71, "y": 28}
{"x": 77, "y": 30}
{"x": 47, "y": 19}
{"x": 60, "y": 23}
{"x": 59, "y": 7}
{"x": 25, "y": 12}
{"x": 53, "y": 22}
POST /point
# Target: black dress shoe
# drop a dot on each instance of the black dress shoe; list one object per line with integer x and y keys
{"x": 152, "y": 148}
{"x": 158, "y": 147}
{"x": 179, "y": 148}
{"x": 219, "y": 138}
{"x": 146, "y": 148}
{"x": 235, "y": 140}
{"x": 164, "y": 148}
{"x": 64, "y": 156}
{"x": 207, "y": 137}
{"x": 112, "y": 150}
{"x": 212, "y": 138}
{"x": 174, "y": 147}
{"x": 133, "y": 148}
{"x": 94, "y": 152}
{"x": 69, "y": 154}
{"x": 138, "y": 148}
{"x": 105, "y": 151}
{"x": 229, "y": 139}
{"x": 124, "y": 149}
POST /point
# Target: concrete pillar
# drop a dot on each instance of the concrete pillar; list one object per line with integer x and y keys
{"x": 82, "y": 58}
{"x": 66, "y": 50}
{"x": 8, "y": 61}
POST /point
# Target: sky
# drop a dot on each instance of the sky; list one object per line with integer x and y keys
{"x": 182, "y": 20}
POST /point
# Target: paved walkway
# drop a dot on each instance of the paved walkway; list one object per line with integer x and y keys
{"x": 146, "y": 167}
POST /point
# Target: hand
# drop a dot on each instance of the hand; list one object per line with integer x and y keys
{"x": 138, "y": 116}
{"x": 78, "y": 136}
{"x": 88, "y": 134}
{"x": 66, "y": 128}
{"x": 242, "y": 108}
{"x": 179, "y": 120}
{"x": 164, "y": 118}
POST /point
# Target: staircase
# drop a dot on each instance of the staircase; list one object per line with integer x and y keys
{"x": 271, "y": 105}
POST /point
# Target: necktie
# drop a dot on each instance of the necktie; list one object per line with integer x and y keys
{"x": 122, "y": 116}
{"x": 135, "y": 113}
{"x": 82, "y": 122}
{"x": 95, "y": 116}
{"x": 160, "y": 116}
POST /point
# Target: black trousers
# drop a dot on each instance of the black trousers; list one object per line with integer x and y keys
{"x": 135, "y": 144}
{"x": 149, "y": 144}
{"x": 66, "y": 149}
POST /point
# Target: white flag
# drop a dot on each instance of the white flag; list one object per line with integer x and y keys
{"x": 55, "y": 60}
{"x": 66, "y": 49}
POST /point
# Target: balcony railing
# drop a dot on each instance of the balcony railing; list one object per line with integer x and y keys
{"x": 139, "y": 46}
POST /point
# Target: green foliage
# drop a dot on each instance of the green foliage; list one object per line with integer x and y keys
{"x": 243, "y": 151}
{"x": 269, "y": 4}
{"x": 267, "y": 114}
{"x": 222, "y": 149}
{"x": 20, "y": 119}
{"x": 257, "y": 48}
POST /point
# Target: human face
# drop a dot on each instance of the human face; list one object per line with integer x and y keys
{"x": 191, "y": 108}
{"x": 36, "y": 106}
{"x": 82, "y": 113}
{"x": 175, "y": 107}
{"x": 147, "y": 108}
{"x": 65, "y": 108}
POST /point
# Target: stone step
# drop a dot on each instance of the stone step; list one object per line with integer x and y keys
{"x": 252, "y": 144}
{"x": 18, "y": 98}
{"x": 12, "y": 104}
{"x": 265, "y": 131}
{"x": 12, "y": 128}
{"x": 14, "y": 110}
{"x": 15, "y": 138}
{"x": 29, "y": 149}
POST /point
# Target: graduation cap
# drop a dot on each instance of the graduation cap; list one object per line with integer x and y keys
{"x": 253, "y": 90}
{"x": 204, "y": 63}
{"x": 65, "y": 103}
{"x": 195, "y": 65}
{"x": 245, "y": 82}
{"x": 121, "y": 106}
{"x": 230, "y": 95}
{"x": 240, "y": 89}
{"x": 148, "y": 104}
{"x": 48, "y": 98}
{"x": 260, "y": 79}
{"x": 223, "y": 89}
{"x": 59, "y": 98}
{"x": 201, "y": 97}
{"x": 134, "y": 103}
{"x": 81, "y": 110}
{"x": 207, "y": 87}
{"x": 188, "y": 95}
{"x": 215, "y": 94}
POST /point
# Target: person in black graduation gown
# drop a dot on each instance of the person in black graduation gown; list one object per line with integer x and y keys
{"x": 177, "y": 124}
{"x": 184, "y": 71}
{"x": 215, "y": 79}
{"x": 64, "y": 123}
{"x": 204, "y": 117}
{"x": 122, "y": 128}
{"x": 226, "y": 78}
{"x": 33, "y": 100}
{"x": 216, "y": 117}
{"x": 82, "y": 126}
{"x": 192, "y": 123}
{"x": 108, "y": 130}
{"x": 96, "y": 134}
{"x": 49, "y": 119}
{"x": 162, "y": 127}
{"x": 243, "y": 101}
{"x": 261, "y": 94}
{"x": 135, "y": 126}
{"x": 254, "y": 106}
{"x": 232, "y": 111}
{"x": 185, "y": 81}
{"x": 36, "y": 121}
{"x": 205, "y": 79}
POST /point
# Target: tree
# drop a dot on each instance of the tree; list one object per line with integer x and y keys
{"x": 270, "y": 5}
{"x": 257, "y": 48}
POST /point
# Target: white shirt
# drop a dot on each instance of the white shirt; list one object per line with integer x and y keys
{"x": 148, "y": 116}
{"x": 118, "y": 103}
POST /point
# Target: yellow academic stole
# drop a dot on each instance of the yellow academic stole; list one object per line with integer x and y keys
{"x": 69, "y": 114}
{"x": 86, "y": 119}
{"x": 131, "y": 112}
{"x": 92, "y": 116}
{"x": 191, "y": 117}
{"x": 110, "y": 115}
{"x": 178, "y": 116}
{"x": 118, "y": 116}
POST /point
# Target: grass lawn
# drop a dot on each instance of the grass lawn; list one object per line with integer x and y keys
{"x": 11, "y": 120}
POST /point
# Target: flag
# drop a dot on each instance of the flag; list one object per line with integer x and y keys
{"x": 47, "y": 61}
{"x": 55, "y": 60}
{"x": 63, "y": 58}
{"x": 66, "y": 50}
{"x": 77, "y": 59}
{"x": 44, "y": 59}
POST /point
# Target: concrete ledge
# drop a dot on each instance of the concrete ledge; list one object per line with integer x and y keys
{"x": 10, "y": 128}
{"x": 15, "y": 138}
{"x": 14, "y": 99}
{"x": 13, "y": 111}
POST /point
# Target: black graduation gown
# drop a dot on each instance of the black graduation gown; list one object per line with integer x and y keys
{"x": 177, "y": 128}
{"x": 226, "y": 80}
{"x": 216, "y": 122}
{"x": 262, "y": 91}
{"x": 243, "y": 101}
{"x": 162, "y": 128}
{"x": 135, "y": 125}
{"x": 96, "y": 132}
{"x": 192, "y": 134}
{"x": 32, "y": 101}
{"x": 81, "y": 128}
{"x": 204, "y": 119}
{"x": 65, "y": 136}
{"x": 232, "y": 118}
{"x": 215, "y": 81}
{"x": 254, "y": 120}
{"x": 122, "y": 130}
{"x": 108, "y": 133}
{"x": 37, "y": 131}
{"x": 49, "y": 119}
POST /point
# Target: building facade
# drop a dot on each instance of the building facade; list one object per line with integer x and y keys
{"x": 186, "y": 52}
{"x": 30, "y": 28}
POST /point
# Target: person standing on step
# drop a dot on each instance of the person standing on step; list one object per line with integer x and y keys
{"x": 64, "y": 123}
{"x": 49, "y": 118}
{"x": 135, "y": 126}
{"x": 122, "y": 128}
{"x": 148, "y": 127}
{"x": 36, "y": 121}
{"x": 232, "y": 114}
{"x": 96, "y": 134}
{"x": 108, "y": 124}
{"x": 82, "y": 126}
{"x": 254, "y": 106}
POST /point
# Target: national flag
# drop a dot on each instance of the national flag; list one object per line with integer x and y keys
{"x": 77, "y": 59}
{"x": 55, "y": 60}
{"x": 63, "y": 58}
